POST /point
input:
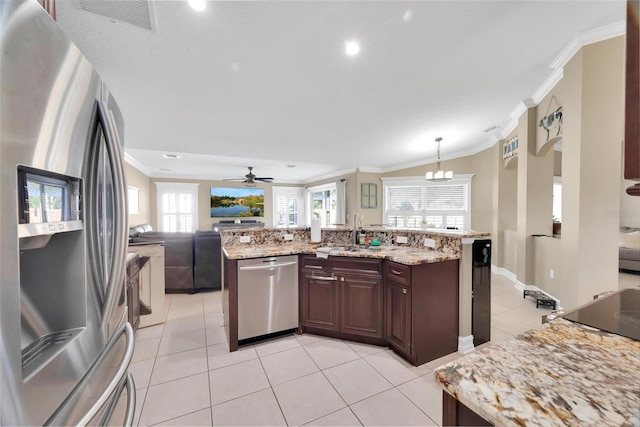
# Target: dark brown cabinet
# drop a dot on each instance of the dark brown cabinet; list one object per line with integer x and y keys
{"x": 319, "y": 300}
{"x": 422, "y": 309}
{"x": 342, "y": 297}
{"x": 133, "y": 291}
{"x": 362, "y": 305}
{"x": 398, "y": 304}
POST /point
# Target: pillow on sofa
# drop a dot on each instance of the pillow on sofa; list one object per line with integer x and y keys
{"x": 630, "y": 240}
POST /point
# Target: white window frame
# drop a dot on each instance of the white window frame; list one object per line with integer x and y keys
{"x": 290, "y": 193}
{"x": 177, "y": 187}
{"x": 419, "y": 181}
{"x": 557, "y": 198}
{"x": 133, "y": 199}
{"x": 310, "y": 190}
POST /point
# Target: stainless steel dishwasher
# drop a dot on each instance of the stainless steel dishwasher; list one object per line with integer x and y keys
{"x": 267, "y": 295}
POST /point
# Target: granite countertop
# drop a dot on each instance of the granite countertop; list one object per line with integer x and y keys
{"x": 402, "y": 255}
{"x": 431, "y": 231}
{"x": 562, "y": 373}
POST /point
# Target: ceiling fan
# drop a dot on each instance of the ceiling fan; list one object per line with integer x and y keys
{"x": 250, "y": 179}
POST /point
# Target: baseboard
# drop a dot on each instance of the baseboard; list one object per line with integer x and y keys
{"x": 465, "y": 345}
{"x": 521, "y": 286}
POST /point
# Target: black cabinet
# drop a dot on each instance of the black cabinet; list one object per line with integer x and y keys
{"x": 481, "y": 291}
{"x": 207, "y": 270}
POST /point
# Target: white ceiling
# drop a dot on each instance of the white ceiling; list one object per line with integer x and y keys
{"x": 267, "y": 83}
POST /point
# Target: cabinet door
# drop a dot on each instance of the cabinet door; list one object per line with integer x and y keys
{"x": 319, "y": 303}
{"x": 398, "y": 303}
{"x": 133, "y": 301}
{"x": 362, "y": 305}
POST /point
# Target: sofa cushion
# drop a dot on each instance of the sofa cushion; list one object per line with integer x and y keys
{"x": 629, "y": 254}
{"x": 630, "y": 240}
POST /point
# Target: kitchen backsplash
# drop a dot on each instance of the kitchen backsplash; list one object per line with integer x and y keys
{"x": 444, "y": 242}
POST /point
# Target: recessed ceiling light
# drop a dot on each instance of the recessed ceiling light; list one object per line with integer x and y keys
{"x": 351, "y": 48}
{"x": 407, "y": 15}
{"x": 170, "y": 156}
{"x": 198, "y": 5}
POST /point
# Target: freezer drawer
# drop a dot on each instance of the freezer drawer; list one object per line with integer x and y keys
{"x": 267, "y": 295}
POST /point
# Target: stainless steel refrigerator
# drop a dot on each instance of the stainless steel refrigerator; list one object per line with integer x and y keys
{"x": 65, "y": 344}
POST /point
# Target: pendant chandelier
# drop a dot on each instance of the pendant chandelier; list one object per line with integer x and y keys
{"x": 439, "y": 175}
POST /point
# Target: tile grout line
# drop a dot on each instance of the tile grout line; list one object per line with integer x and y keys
{"x": 331, "y": 384}
{"x": 275, "y": 396}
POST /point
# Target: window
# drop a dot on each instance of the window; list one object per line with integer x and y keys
{"x": 323, "y": 203}
{"x": 288, "y": 204}
{"x": 133, "y": 199}
{"x": 47, "y": 199}
{"x": 177, "y": 206}
{"x": 557, "y": 199}
{"x": 414, "y": 203}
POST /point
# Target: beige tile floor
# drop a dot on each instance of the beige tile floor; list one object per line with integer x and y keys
{"x": 185, "y": 375}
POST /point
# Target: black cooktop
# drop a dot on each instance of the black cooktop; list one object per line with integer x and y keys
{"x": 617, "y": 313}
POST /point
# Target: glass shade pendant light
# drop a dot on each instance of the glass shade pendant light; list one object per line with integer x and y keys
{"x": 439, "y": 175}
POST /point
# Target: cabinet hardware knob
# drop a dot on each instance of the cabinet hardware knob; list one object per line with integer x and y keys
{"x": 396, "y": 272}
{"x": 404, "y": 291}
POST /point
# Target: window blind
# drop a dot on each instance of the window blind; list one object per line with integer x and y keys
{"x": 414, "y": 203}
{"x": 287, "y": 205}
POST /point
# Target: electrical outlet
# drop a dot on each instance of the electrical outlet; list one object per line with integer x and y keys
{"x": 430, "y": 243}
{"x": 551, "y": 273}
{"x": 288, "y": 237}
{"x": 245, "y": 239}
{"x": 401, "y": 239}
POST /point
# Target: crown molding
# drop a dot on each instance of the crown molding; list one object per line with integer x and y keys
{"x": 136, "y": 164}
{"x": 588, "y": 37}
{"x": 548, "y": 84}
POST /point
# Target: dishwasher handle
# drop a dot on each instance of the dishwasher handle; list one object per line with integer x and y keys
{"x": 267, "y": 267}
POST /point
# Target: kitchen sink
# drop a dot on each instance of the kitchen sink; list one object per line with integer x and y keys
{"x": 368, "y": 248}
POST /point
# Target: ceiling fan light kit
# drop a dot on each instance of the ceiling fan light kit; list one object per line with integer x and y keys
{"x": 249, "y": 180}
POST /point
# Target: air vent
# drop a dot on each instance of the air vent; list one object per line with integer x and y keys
{"x": 491, "y": 128}
{"x": 133, "y": 12}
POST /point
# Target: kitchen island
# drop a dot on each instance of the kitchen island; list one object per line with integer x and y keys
{"x": 562, "y": 373}
{"x": 370, "y": 294}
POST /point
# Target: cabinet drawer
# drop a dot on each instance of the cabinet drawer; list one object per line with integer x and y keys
{"x": 312, "y": 262}
{"x": 398, "y": 272}
{"x": 348, "y": 265}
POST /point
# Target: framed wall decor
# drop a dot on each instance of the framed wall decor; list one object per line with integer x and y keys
{"x": 368, "y": 195}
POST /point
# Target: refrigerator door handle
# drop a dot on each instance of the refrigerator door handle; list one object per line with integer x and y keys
{"x": 130, "y": 384}
{"x": 131, "y": 401}
{"x": 115, "y": 279}
{"x": 117, "y": 378}
{"x": 58, "y": 416}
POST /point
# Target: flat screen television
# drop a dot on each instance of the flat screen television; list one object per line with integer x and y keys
{"x": 237, "y": 202}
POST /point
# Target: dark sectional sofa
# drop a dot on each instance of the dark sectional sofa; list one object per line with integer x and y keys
{"x": 192, "y": 261}
{"x": 629, "y": 252}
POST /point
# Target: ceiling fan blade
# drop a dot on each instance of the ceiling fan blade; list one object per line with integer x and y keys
{"x": 234, "y": 179}
{"x": 264, "y": 179}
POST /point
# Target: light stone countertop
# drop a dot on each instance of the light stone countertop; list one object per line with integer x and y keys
{"x": 559, "y": 374}
{"x": 399, "y": 254}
